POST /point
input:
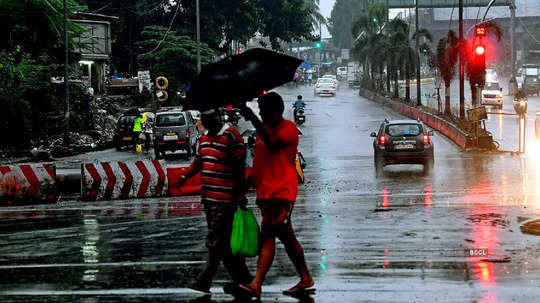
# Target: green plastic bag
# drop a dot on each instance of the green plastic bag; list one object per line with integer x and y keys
{"x": 245, "y": 234}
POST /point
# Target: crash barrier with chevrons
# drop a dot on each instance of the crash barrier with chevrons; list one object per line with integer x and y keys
{"x": 123, "y": 180}
{"x": 28, "y": 182}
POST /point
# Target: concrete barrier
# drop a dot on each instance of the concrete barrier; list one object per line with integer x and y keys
{"x": 28, "y": 182}
{"x": 123, "y": 180}
{"x": 448, "y": 129}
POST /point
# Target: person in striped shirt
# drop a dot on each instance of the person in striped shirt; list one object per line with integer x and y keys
{"x": 221, "y": 161}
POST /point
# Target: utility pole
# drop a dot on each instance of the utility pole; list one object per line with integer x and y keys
{"x": 417, "y": 52}
{"x": 66, "y": 76}
{"x": 461, "y": 61}
{"x": 512, "y": 90}
{"x": 198, "y": 38}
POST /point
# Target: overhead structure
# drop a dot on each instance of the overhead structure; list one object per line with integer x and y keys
{"x": 440, "y": 3}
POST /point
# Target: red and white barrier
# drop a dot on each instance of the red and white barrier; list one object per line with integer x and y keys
{"x": 28, "y": 181}
{"x": 123, "y": 180}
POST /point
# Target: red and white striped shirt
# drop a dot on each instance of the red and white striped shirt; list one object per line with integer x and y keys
{"x": 218, "y": 154}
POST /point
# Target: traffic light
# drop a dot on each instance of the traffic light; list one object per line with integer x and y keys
{"x": 318, "y": 44}
{"x": 480, "y": 50}
{"x": 374, "y": 19}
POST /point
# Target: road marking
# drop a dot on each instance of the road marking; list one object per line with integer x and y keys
{"x": 115, "y": 264}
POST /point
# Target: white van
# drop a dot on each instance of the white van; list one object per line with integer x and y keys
{"x": 341, "y": 72}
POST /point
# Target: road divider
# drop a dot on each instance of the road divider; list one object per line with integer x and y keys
{"x": 123, "y": 180}
{"x": 27, "y": 182}
{"x": 454, "y": 133}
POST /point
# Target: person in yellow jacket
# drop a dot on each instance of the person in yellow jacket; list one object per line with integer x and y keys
{"x": 137, "y": 129}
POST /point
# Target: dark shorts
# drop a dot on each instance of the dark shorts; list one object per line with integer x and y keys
{"x": 276, "y": 215}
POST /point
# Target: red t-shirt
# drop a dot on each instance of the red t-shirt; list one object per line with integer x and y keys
{"x": 274, "y": 171}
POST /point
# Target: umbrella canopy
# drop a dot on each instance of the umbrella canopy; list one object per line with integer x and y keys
{"x": 132, "y": 112}
{"x": 240, "y": 78}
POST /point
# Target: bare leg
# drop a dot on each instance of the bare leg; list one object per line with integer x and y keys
{"x": 266, "y": 257}
{"x": 296, "y": 254}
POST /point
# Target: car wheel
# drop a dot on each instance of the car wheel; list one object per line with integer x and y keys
{"x": 157, "y": 154}
{"x": 188, "y": 153}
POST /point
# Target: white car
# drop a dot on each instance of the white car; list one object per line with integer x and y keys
{"x": 492, "y": 95}
{"x": 342, "y": 72}
{"x": 325, "y": 86}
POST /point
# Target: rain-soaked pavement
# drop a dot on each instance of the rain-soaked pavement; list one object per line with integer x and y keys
{"x": 403, "y": 237}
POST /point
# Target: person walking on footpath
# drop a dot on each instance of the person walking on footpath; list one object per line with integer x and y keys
{"x": 276, "y": 182}
{"x": 220, "y": 159}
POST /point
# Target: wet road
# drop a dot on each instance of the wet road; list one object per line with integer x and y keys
{"x": 405, "y": 236}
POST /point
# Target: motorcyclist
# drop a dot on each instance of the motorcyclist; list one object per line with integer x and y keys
{"x": 299, "y": 104}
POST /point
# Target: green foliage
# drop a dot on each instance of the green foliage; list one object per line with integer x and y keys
{"x": 175, "y": 58}
{"x": 344, "y": 13}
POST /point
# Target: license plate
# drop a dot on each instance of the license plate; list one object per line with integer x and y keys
{"x": 325, "y": 91}
{"x": 170, "y": 137}
{"x": 171, "y": 134}
{"x": 126, "y": 138}
{"x": 404, "y": 146}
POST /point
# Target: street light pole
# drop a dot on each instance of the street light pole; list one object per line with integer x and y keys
{"x": 198, "y": 38}
{"x": 417, "y": 44}
{"x": 66, "y": 76}
{"x": 461, "y": 61}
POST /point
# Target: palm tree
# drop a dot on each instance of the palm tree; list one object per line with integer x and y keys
{"x": 316, "y": 18}
{"x": 446, "y": 60}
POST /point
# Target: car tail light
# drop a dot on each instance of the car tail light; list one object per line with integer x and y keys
{"x": 180, "y": 142}
{"x": 382, "y": 140}
{"x": 333, "y": 86}
{"x": 154, "y": 135}
{"x": 229, "y": 107}
{"x": 426, "y": 139}
{"x": 161, "y": 143}
{"x": 187, "y": 132}
{"x": 318, "y": 85}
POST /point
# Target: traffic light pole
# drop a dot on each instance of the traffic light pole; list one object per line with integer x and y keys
{"x": 418, "y": 84}
{"x": 66, "y": 76}
{"x": 461, "y": 61}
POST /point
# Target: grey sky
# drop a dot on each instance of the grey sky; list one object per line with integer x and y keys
{"x": 326, "y": 7}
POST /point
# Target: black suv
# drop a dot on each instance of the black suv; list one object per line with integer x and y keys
{"x": 402, "y": 142}
{"x": 123, "y": 134}
{"x": 174, "y": 130}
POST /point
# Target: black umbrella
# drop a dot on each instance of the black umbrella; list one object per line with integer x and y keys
{"x": 240, "y": 78}
{"x": 132, "y": 112}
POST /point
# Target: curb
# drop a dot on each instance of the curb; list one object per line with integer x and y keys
{"x": 451, "y": 131}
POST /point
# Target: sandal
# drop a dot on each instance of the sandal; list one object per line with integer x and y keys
{"x": 247, "y": 292}
{"x": 297, "y": 290}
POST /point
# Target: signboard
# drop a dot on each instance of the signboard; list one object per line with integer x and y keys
{"x": 95, "y": 41}
{"x": 345, "y": 54}
{"x": 144, "y": 80}
{"x": 440, "y": 3}
{"x": 477, "y": 114}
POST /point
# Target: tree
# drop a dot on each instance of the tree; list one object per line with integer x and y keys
{"x": 285, "y": 20}
{"x": 446, "y": 60}
{"x": 175, "y": 58}
{"x": 344, "y": 14}
{"x": 317, "y": 19}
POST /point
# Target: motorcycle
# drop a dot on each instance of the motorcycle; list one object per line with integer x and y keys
{"x": 299, "y": 117}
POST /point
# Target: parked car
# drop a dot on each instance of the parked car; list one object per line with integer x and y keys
{"x": 492, "y": 95}
{"x": 325, "y": 86}
{"x": 174, "y": 130}
{"x": 402, "y": 142}
{"x": 123, "y": 134}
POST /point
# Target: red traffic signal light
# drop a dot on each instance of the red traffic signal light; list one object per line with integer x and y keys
{"x": 480, "y": 50}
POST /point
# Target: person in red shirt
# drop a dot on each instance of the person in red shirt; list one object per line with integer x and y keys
{"x": 276, "y": 182}
{"x": 220, "y": 159}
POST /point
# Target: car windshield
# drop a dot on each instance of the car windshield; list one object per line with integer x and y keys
{"x": 326, "y": 80}
{"x": 172, "y": 119}
{"x": 492, "y": 86}
{"x": 126, "y": 120}
{"x": 397, "y": 130}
